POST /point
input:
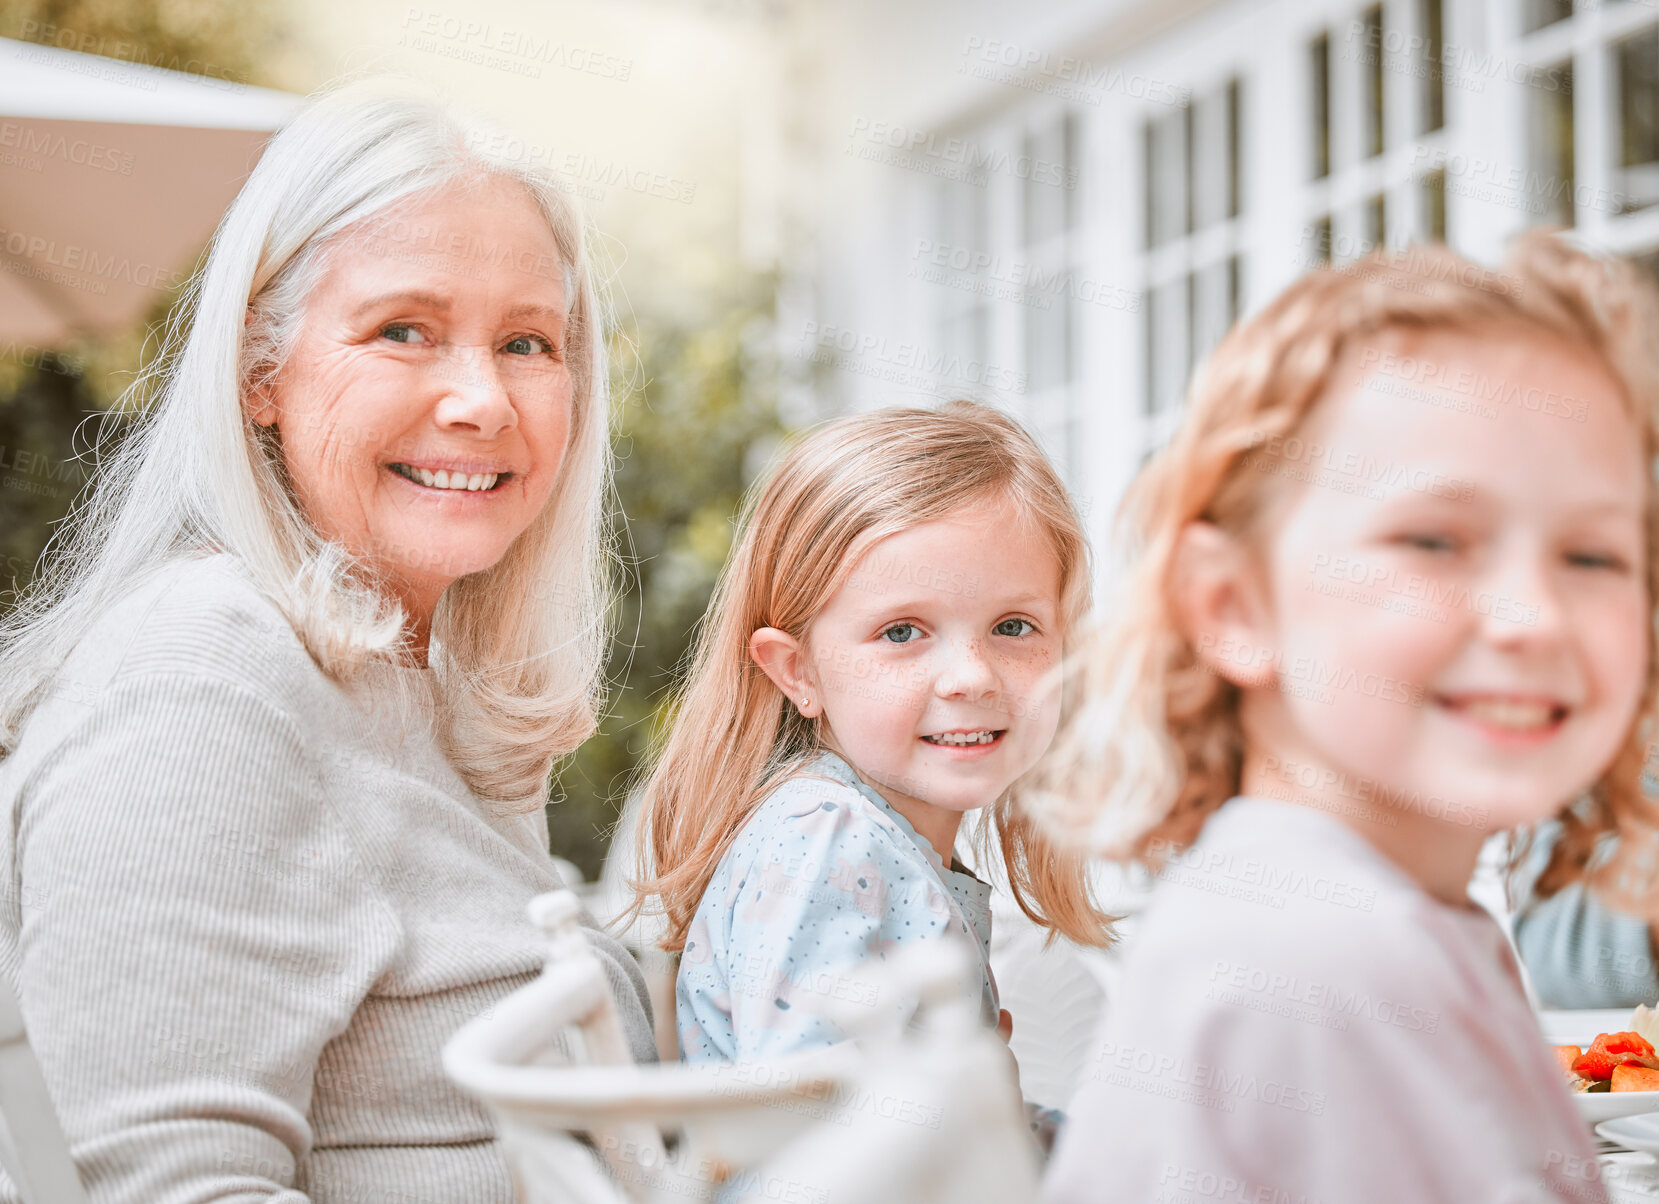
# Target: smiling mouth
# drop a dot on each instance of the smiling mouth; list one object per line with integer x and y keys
{"x": 964, "y": 739}
{"x": 1511, "y": 715}
{"x": 477, "y": 482}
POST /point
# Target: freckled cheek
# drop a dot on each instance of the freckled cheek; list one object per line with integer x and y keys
{"x": 858, "y": 677}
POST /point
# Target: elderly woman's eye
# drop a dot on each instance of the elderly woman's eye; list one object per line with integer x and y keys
{"x": 400, "y": 333}
{"x": 529, "y": 344}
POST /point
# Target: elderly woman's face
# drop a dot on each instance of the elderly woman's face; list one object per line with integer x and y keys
{"x": 425, "y": 410}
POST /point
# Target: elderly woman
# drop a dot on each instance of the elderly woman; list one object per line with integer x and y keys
{"x": 278, "y": 721}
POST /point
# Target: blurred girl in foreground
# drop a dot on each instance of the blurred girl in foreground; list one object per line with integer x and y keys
{"x": 1393, "y": 592}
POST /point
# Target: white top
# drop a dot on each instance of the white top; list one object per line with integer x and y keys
{"x": 1299, "y": 1021}
{"x": 245, "y": 907}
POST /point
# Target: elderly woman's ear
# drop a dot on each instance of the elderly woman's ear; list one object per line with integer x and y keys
{"x": 257, "y": 400}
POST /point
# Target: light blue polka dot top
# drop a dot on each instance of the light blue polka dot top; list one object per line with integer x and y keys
{"x": 823, "y": 876}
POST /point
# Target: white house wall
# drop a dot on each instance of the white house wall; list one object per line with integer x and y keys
{"x": 862, "y": 323}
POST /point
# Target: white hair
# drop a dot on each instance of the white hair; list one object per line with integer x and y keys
{"x": 517, "y": 649}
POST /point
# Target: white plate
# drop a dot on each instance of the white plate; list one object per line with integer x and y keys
{"x": 1580, "y": 1028}
{"x": 1637, "y": 1132}
{"x": 1599, "y": 1106}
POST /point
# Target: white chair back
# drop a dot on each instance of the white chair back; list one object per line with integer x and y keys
{"x": 907, "y": 1115}
{"x": 33, "y": 1149}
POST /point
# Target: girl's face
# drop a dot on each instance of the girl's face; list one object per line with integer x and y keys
{"x": 927, "y": 663}
{"x": 1455, "y": 594}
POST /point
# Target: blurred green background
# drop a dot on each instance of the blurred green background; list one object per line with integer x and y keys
{"x": 694, "y": 402}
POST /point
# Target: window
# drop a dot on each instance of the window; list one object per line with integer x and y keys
{"x": 1168, "y": 211}
{"x": 1194, "y": 196}
{"x": 964, "y": 318}
{"x": 1434, "y": 205}
{"x": 1636, "y": 173}
{"x": 1378, "y": 90}
{"x": 1430, "y": 27}
{"x": 1550, "y": 127}
{"x": 1319, "y": 72}
{"x": 1319, "y": 249}
{"x": 1590, "y": 113}
{"x": 1536, "y": 14}
{"x": 1370, "y": 59}
{"x": 1048, "y": 214}
{"x": 1375, "y": 217}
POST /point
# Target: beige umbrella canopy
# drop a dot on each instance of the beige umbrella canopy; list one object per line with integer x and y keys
{"x": 112, "y": 177}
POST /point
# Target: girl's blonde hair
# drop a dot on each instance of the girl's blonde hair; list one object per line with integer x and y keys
{"x": 734, "y": 737}
{"x": 1150, "y": 743}
{"x": 517, "y": 648}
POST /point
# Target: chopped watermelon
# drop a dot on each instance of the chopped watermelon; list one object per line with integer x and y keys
{"x": 1612, "y": 1050}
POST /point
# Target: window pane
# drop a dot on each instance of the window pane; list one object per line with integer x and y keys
{"x": 1073, "y": 177}
{"x": 1186, "y": 175}
{"x": 1319, "y": 73}
{"x": 1434, "y": 206}
{"x": 968, "y": 335}
{"x": 1048, "y": 342}
{"x": 1167, "y": 204}
{"x": 1370, "y": 59}
{"x": 1637, "y": 60}
{"x": 1209, "y": 159}
{"x": 1154, "y": 331}
{"x": 1047, "y": 197}
{"x": 1320, "y": 251}
{"x": 1149, "y": 190}
{"x": 1551, "y": 130}
{"x": 1212, "y": 303}
{"x": 1235, "y": 197}
{"x": 963, "y": 214}
{"x": 1431, "y": 26}
{"x": 1166, "y": 330}
{"x": 1535, "y": 14}
{"x": 1376, "y": 224}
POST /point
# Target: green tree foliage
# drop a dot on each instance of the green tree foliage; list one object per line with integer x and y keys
{"x": 200, "y": 37}
{"x": 696, "y": 419}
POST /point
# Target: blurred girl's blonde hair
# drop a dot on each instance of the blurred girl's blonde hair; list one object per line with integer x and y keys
{"x": 733, "y": 737}
{"x": 1150, "y": 743}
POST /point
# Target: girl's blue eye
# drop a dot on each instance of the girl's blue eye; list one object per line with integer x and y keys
{"x": 1000, "y": 628}
{"x": 900, "y": 633}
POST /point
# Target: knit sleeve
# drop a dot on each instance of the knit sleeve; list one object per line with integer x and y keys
{"x": 189, "y": 887}
{"x": 832, "y": 890}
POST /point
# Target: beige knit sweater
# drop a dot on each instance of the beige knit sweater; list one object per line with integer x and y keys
{"x": 244, "y": 907}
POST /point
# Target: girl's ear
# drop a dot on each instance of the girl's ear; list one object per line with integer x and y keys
{"x": 781, "y": 657}
{"x": 1222, "y": 607}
